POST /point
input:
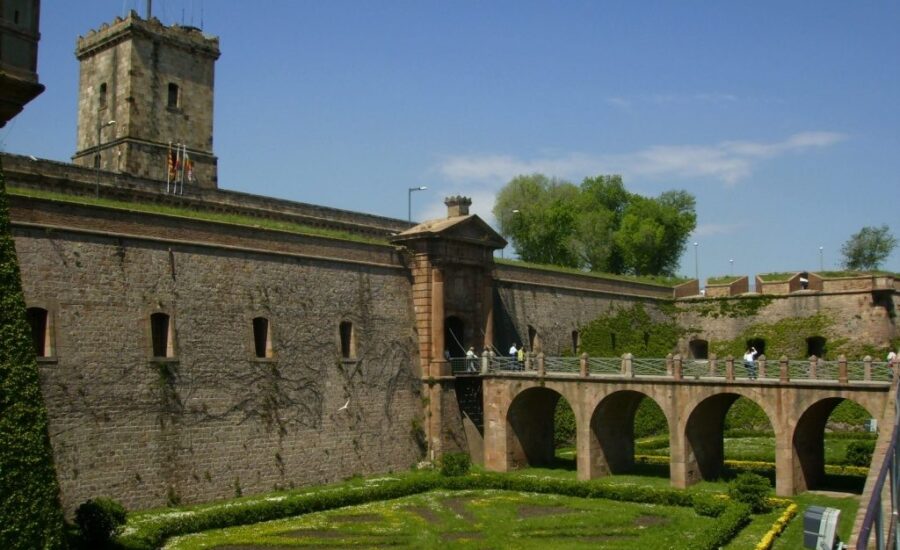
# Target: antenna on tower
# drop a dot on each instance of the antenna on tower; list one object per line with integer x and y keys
{"x": 149, "y": 9}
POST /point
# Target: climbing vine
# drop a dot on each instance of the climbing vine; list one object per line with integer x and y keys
{"x": 631, "y": 330}
{"x": 30, "y": 512}
{"x": 736, "y": 307}
{"x": 786, "y": 337}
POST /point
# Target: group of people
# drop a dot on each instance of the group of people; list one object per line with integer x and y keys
{"x": 518, "y": 353}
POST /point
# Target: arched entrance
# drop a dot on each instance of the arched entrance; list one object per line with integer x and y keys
{"x": 454, "y": 336}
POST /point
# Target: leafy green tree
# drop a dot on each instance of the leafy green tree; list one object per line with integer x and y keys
{"x": 30, "y": 513}
{"x": 535, "y": 213}
{"x": 598, "y": 226}
{"x": 867, "y": 249}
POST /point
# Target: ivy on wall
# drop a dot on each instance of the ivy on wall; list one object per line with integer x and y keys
{"x": 788, "y": 337}
{"x": 743, "y": 306}
{"x": 631, "y": 330}
{"x": 31, "y": 516}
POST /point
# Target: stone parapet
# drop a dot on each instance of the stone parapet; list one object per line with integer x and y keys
{"x": 82, "y": 181}
{"x": 591, "y": 283}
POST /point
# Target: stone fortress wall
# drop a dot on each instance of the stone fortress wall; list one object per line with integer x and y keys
{"x": 214, "y": 420}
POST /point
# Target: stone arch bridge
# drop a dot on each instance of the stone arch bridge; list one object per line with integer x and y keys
{"x": 519, "y": 407}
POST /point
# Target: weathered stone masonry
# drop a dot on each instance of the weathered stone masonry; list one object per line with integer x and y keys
{"x": 215, "y": 420}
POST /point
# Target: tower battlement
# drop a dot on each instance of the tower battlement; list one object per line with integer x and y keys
{"x": 145, "y": 92}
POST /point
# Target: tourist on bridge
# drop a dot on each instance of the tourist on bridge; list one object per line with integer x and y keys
{"x": 892, "y": 356}
{"x": 513, "y": 350}
{"x": 471, "y": 359}
{"x": 520, "y": 358}
{"x": 749, "y": 364}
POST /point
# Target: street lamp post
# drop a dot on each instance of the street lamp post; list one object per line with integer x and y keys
{"x": 731, "y": 261}
{"x": 409, "y": 200}
{"x": 821, "y": 259}
{"x": 696, "y": 264}
{"x": 97, "y": 161}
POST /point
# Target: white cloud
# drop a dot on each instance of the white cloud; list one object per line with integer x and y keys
{"x": 727, "y": 161}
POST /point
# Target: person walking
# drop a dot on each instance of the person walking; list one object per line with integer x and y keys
{"x": 749, "y": 364}
{"x": 470, "y": 359}
{"x": 520, "y": 358}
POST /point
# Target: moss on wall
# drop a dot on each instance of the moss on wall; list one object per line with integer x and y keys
{"x": 30, "y": 513}
{"x": 788, "y": 337}
{"x": 732, "y": 307}
{"x": 631, "y": 330}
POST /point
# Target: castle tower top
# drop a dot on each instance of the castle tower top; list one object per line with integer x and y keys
{"x": 145, "y": 89}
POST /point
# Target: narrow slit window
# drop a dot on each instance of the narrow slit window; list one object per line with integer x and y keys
{"x": 348, "y": 344}
{"x": 173, "y": 100}
{"x": 160, "y": 329}
{"x": 262, "y": 340}
{"x": 102, "y": 95}
{"x": 38, "y": 319}
{"x": 575, "y": 342}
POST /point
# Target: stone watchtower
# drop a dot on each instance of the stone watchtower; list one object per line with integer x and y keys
{"x": 156, "y": 83}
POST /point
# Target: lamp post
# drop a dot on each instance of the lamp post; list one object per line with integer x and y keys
{"x": 97, "y": 162}
{"x": 696, "y": 264}
{"x": 821, "y": 260}
{"x": 409, "y": 200}
{"x": 731, "y": 261}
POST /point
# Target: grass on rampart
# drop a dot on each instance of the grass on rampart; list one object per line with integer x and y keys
{"x": 184, "y": 212}
{"x": 669, "y": 282}
{"x": 721, "y": 279}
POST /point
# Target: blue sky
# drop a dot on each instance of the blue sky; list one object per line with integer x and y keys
{"x": 781, "y": 118}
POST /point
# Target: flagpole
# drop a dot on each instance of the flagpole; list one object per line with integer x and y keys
{"x": 168, "y": 166}
{"x": 183, "y": 159}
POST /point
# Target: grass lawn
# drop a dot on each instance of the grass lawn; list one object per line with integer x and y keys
{"x": 471, "y": 519}
{"x": 502, "y": 519}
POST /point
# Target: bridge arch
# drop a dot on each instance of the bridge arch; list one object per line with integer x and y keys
{"x": 702, "y": 431}
{"x": 530, "y": 427}
{"x": 808, "y": 443}
{"x": 610, "y": 445}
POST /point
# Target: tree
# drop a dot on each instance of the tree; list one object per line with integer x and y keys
{"x": 597, "y": 226}
{"x": 30, "y": 512}
{"x": 867, "y": 249}
{"x": 535, "y": 213}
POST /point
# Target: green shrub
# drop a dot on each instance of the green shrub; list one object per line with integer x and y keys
{"x": 563, "y": 425}
{"x": 859, "y": 453}
{"x": 455, "y": 464}
{"x": 730, "y": 522}
{"x": 751, "y": 489}
{"x": 649, "y": 419}
{"x": 99, "y": 519}
{"x": 746, "y": 415}
{"x": 709, "y": 505}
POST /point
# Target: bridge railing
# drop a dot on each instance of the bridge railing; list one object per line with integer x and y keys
{"x": 729, "y": 368}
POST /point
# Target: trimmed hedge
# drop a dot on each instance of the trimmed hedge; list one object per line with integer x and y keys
{"x": 99, "y": 520}
{"x": 31, "y": 516}
{"x": 731, "y": 518}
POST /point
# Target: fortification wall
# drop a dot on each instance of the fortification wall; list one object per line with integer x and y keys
{"x": 215, "y": 420}
{"x": 862, "y": 319}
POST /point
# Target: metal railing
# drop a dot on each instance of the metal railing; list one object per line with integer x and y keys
{"x": 674, "y": 366}
{"x": 884, "y": 495}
